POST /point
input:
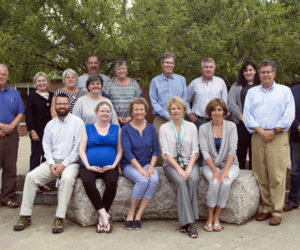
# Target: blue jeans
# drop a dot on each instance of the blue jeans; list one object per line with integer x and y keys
{"x": 295, "y": 176}
{"x": 143, "y": 188}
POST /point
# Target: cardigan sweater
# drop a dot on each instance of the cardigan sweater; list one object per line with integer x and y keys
{"x": 228, "y": 144}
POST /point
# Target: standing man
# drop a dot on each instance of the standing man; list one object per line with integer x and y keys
{"x": 11, "y": 112}
{"x": 60, "y": 142}
{"x": 162, "y": 88}
{"x": 93, "y": 66}
{"x": 268, "y": 113}
{"x": 203, "y": 89}
{"x": 293, "y": 201}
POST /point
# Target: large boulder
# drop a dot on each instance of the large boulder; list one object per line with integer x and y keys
{"x": 242, "y": 204}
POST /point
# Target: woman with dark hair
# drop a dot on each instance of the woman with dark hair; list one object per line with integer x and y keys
{"x": 84, "y": 107}
{"x": 218, "y": 141}
{"x": 121, "y": 90}
{"x": 37, "y": 115}
{"x": 247, "y": 78}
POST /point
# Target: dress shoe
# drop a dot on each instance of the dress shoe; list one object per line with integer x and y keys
{"x": 289, "y": 207}
{"x": 275, "y": 220}
{"x": 263, "y": 216}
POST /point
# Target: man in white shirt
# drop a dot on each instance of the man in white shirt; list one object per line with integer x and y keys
{"x": 93, "y": 66}
{"x": 60, "y": 142}
{"x": 202, "y": 90}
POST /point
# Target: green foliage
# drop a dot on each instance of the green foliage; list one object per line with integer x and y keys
{"x": 52, "y": 35}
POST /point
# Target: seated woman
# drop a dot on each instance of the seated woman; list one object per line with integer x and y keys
{"x": 121, "y": 90}
{"x": 84, "y": 107}
{"x": 140, "y": 154}
{"x": 180, "y": 148}
{"x": 101, "y": 151}
{"x": 69, "y": 79}
{"x": 218, "y": 142}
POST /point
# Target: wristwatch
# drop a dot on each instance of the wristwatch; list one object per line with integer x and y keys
{"x": 275, "y": 131}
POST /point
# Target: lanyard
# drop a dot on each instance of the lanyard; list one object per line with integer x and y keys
{"x": 182, "y": 130}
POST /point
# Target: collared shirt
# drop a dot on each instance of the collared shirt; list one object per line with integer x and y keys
{"x": 163, "y": 88}
{"x": 11, "y": 105}
{"x": 81, "y": 83}
{"x": 61, "y": 140}
{"x": 270, "y": 108}
{"x": 201, "y": 93}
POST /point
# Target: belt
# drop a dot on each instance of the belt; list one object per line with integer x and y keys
{"x": 203, "y": 118}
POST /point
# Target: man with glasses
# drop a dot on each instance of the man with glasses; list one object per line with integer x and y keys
{"x": 268, "y": 113}
{"x": 60, "y": 142}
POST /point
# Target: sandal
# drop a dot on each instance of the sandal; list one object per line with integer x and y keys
{"x": 45, "y": 188}
{"x": 99, "y": 228}
{"x": 192, "y": 232}
{"x": 208, "y": 228}
{"x": 109, "y": 223}
{"x": 184, "y": 229}
{"x": 10, "y": 204}
{"x": 217, "y": 227}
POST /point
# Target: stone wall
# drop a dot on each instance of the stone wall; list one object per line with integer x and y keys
{"x": 242, "y": 204}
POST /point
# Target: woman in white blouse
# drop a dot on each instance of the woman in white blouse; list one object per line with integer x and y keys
{"x": 179, "y": 145}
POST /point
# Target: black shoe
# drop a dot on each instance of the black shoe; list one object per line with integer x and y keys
{"x": 289, "y": 207}
{"x": 136, "y": 225}
{"x": 128, "y": 224}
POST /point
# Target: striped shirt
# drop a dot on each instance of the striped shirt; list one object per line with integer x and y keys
{"x": 73, "y": 97}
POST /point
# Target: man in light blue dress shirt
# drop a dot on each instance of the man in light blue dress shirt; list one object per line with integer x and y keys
{"x": 202, "y": 90}
{"x": 162, "y": 88}
{"x": 269, "y": 111}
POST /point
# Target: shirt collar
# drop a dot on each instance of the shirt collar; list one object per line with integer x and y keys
{"x": 5, "y": 88}
{"x": 67, "y": 118}
{"x": 270, "y": 89}
{"x": 165, "y": 77}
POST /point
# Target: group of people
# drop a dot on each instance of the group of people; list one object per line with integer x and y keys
{"x": 94, "y": 124}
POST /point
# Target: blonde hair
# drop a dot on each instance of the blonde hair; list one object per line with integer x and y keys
{"x": 40, "y": 74}
{"x": 178, "y": 101}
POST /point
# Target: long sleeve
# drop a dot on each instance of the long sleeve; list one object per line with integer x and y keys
{"x": 155, "y": 148}
{"x": 74, "y": 154}
{"x": 234, "y": 94}
{"x": 289, "y": 113}
{"x": 189, "y": 97}
{"x": 203, "y": 137}
{"x": 158, "y": 109}
{"x": 224, "y": 93}
{"x": 127, "y": 145}
{"x": 77, "y": 110}
{"x": 29, "y": 113}
{"x": 247, "y": 115}
{"x": 47, "y": 145}
{"x": 163, "y": 141}
{"x": 233, "y": 139}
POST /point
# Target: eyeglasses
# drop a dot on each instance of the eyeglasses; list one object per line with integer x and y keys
{"x": 62, "y": 104}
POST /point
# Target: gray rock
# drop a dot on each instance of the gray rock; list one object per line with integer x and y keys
{"x": 242, "y": 204}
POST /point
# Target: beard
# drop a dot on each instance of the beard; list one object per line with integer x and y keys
{"x": 62, "y": 112}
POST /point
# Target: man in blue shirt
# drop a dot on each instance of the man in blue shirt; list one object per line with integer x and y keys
{"x": 268, "y": 113}
{"x": 293, "y": 200}
{"x": 162, "y": 88}
{"x": 11, "y": 112}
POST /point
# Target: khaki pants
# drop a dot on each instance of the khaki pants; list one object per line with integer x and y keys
{"x": 43, "y": 175}
{"x": 269, "y": 161}
{"x": 157, "y": 122}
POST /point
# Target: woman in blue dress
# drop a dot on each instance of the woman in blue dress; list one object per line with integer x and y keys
{"x": 100, "y": 151}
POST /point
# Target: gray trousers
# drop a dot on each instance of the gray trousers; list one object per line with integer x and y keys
{"x": 217, "y": 194}
{"x": 186, "y": 192}
{"x": 42, "y": 175}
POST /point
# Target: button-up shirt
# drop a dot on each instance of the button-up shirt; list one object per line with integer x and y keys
{"x": 163, "y": 88}
{"x": 201, "y": 94}
{"x": 11, "y": 105}
{"x": 61, "y": 140}
{"x": 270, "y": 108}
